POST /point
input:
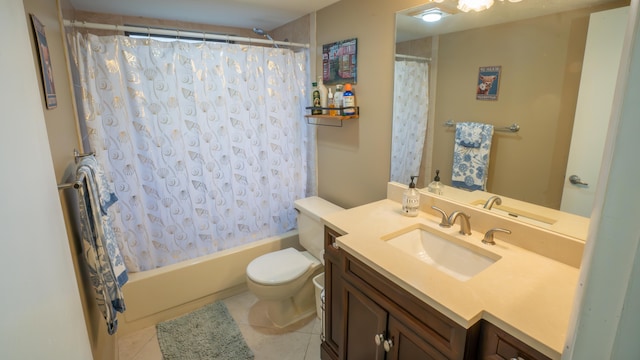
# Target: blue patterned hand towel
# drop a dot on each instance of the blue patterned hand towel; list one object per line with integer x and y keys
{"x": 471, "y": 155}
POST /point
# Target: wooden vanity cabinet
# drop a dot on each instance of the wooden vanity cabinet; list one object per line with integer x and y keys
{"x": 362, "y": 305}
{"x": 333, "y": 265}
{"x": 496, "y": 344}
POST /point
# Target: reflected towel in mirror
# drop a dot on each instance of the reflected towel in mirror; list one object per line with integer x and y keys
{"x": 471, "y": 155}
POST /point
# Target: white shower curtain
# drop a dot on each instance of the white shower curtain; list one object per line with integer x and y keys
{"x": 205, "y": 143}
{"x": 410, "y": 105}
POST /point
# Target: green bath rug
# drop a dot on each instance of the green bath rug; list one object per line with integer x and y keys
{"x": 207, "y": 333}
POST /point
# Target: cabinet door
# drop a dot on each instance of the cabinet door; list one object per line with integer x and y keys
{"x": 333, "y": 264}
{"x": 365, "y": 319}
{"x": 408, "y": 344}
{"x": 496, "y": 344}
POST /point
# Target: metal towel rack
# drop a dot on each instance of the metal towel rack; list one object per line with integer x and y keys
{"x": 512, "y": 128}
{"x": 78, "y": 183}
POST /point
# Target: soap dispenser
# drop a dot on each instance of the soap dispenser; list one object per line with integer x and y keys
{"x": 436, "y": 186}
{"x": 411, "y": 200}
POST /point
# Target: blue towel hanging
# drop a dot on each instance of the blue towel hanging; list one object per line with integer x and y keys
{"x": 471, "y": 155}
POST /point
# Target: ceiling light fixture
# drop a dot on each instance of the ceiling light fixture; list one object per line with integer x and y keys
{"x": 475, "y": 5}
{"x": 432, "y": 15}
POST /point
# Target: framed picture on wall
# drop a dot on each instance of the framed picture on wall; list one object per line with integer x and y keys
{"x": 488, "y": 83}
{"x": 45, "y": 63}
{"x": 340, "y": 62}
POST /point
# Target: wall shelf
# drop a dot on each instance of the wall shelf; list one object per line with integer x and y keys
{"x": 330, "y": 117}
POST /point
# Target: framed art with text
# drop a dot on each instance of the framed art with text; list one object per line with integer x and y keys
{"x": 488, "y": 83}
{"x": 45, "y": 63}
{"x": 339, "y": 62}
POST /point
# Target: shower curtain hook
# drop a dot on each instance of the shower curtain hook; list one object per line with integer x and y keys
{"x": 204, "y": 37}
{"x": 148, "y": 33}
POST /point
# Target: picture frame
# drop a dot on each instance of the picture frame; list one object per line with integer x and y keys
{"x": 45, "y": 63}
{"x": 488, "y": 82}
{"x": 340, "y": 62}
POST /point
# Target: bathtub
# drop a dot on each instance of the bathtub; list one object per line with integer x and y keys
{"x": 160, "y": 294}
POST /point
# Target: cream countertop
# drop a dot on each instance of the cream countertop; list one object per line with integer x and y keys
{"x": 528, "y": 295}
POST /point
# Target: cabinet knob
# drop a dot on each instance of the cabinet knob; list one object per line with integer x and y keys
{"x": 388, "y": 344}
{"x": 516, "y": 358}
{"x": 335, "y": 245}
{"x": 379, "y": 338}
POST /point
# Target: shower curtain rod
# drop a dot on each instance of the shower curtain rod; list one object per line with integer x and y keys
{"x": 178, "y": 33}
{"x": 411, "y": 57}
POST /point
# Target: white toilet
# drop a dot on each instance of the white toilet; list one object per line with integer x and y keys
{"x": 284, "y": 278}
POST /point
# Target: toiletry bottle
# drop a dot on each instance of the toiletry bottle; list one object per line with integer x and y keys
{"x": 315, "y": 102}
{"x": 436, "y": 186}
{"x": 337, "y": 99}
{"x": 323, "y": 95}
{"x": 411, "y": 200}
{"x": 331, "y": 104}
{"x": 348, "y": 101}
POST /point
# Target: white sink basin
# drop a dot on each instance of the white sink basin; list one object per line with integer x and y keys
{"x": 446, "y": 253}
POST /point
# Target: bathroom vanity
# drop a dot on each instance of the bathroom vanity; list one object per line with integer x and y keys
{"x": 382, "y": 302}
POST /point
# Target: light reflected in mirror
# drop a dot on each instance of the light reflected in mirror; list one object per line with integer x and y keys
{"x": 540, "y": 46}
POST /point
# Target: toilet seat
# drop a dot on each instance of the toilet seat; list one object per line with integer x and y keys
{"x": 278, "y": 267}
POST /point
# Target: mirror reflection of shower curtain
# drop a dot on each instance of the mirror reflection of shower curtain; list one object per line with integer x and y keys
{"x": 205, "y": 143}
{"x": 410, "y": 105}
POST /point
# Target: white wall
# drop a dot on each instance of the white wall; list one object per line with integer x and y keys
{"x": 40, "y": 306}
{"x": 607, "y": 310}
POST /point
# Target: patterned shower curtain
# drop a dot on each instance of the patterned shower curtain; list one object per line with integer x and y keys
{"x": 410, "y": 105}
{"x": 205, "y": 143}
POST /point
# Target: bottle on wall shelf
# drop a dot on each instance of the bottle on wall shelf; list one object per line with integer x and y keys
{"x": 331, "y": 104}
{"x": 337, "y": 99}
{"x": 315, "y": 99}
{"x": 436, "y": 186}
{"x": 348, "y": 101}
{"x": 411, "y": 200}
{"x": 323, "y": 95}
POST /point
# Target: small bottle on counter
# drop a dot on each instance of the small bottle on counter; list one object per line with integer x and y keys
{"x": 411, "y": 200}
{"x": 348, "y": 101}
{"x": 436, "y": 186}
{"x": 315, "y": 99}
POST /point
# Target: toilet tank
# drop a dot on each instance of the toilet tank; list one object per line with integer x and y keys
{"x": 310, "y": 228}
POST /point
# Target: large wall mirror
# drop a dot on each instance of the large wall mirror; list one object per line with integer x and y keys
{"x": 540, "y": 47}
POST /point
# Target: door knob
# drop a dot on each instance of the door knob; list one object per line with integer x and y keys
{"x": 575, "y": 180}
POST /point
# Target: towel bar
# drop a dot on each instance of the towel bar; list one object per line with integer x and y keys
{"x": 512, "y": 128}
{"x": 76, "y": 184}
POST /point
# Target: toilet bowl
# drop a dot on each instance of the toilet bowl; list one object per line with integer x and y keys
{"x": 284, "y": 278}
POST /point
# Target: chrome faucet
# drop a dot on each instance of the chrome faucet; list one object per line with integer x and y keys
{"x": 488, "y": 236}
{"x": 465, "y": 225}
{"x": 492, "y": 200}
{"x": 444, "y": 222}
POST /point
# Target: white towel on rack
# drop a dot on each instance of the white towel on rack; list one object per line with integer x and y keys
{"x": 471, "y": 155}
{"x": 105, "y": 264}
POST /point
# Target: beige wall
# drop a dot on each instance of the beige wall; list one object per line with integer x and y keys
{"x": 538, "y": 90}
{"x": 541, "y": 61}
{"x": 354, "y": 160}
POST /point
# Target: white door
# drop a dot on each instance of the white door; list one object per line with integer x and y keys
{"x": 597, "y": 84}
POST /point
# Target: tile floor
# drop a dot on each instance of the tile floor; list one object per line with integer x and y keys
{"x": 300, "y": 341}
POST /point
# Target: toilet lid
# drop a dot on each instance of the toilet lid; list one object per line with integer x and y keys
{"x": 278, "y": 267}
